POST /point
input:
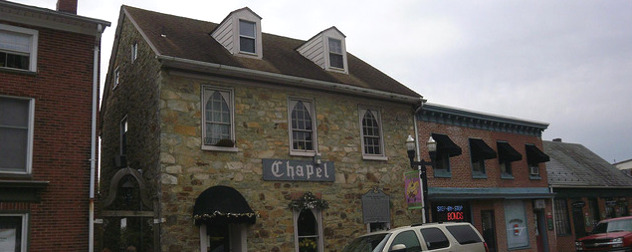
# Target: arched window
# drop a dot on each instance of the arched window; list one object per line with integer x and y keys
{"x": 217, "y": 120}
{"x": 308, "y": 231}
{"x": 302, "y": 135}
{"x": 371, "y": 134}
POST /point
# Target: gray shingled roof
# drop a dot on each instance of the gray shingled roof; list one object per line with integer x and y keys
{"x": 574, "y": 165}
{"x": 189, "y": 39}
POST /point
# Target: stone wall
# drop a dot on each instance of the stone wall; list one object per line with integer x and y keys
{"x": 261, "y": 127}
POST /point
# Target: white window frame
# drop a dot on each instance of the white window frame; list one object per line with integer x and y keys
{"x": 34, "y": 37}
{"x": 327, "y": 52}
{"x": 25, "y": 228}
{"x": 29, "y": 144}
{"x": 123, "y": 129}
{"x": 229, "y": 95}
{"x": 117, "y": 78}
{"x": 309, "y": 105}
{"x": 362, "y": 110}
{"x": 238, "y": 236}
{"x": 330, "y": 51}
{"x": 318, "y": 215}
{"x": 247, "y": 37}
{"x": 134, "y": 51}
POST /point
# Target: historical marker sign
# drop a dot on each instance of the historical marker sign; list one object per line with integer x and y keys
{"x": 297, "y": 170}
{"x": 376, "y": 207}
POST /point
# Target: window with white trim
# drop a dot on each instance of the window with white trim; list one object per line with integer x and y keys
{"x": 18, "y": 48}
{"x": 302, "y": 127}
{"x": 218, "y": 130}
{"x": 13, "y": 232}
{"x": 223, "y": 237}
{"x": 117, "y": 78}
{"x": 371, "y": 132}
{"x": 308, "y": 230}
{"x": 247, "y": 36}
{"x": 336, "y": 59}
{"x": 123, "y": 135}
{"x": 16, "y": 134}
{"x": 134, "y": 51}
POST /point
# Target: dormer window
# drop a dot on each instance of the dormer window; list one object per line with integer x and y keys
{"x": 240, "y": 33}
{"x": 247, "y": 36}
{"x": 327, "y": 50}
{"x": 335, "y": 54}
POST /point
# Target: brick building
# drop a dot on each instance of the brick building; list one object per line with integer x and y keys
{"x": 587, "y": 189}
{"x": 489, "y": 170}
{"x": 222, "y": 135}
{"x": 49, "y": 63}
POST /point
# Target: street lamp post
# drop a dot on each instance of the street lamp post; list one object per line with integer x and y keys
{"x": 421, "y": 166}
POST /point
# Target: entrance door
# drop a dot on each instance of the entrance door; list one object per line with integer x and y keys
{"x": 578, "y": 221}
{"x": 489, "y": 229}
{"x": 540, "y": 231}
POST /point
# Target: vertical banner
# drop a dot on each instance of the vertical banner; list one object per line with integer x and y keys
{"x": 412, "y": 189}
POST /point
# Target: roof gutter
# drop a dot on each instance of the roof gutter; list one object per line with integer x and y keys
{"x": 232, "y": 71}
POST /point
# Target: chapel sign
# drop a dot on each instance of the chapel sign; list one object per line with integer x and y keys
{"x": 297, "y": 170}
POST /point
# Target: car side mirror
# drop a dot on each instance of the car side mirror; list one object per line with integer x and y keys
{"x": 398, "y": 248}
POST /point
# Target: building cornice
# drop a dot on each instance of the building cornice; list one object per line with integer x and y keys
{"x": 41, "y": 17}
{"x": 463, "y": 118}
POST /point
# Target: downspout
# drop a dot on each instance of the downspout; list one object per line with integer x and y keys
{"x": 421, "y": 104}
{"x": 95, "y": 99}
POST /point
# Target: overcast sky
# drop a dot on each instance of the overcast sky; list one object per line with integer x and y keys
{"x": 566, "y": 63}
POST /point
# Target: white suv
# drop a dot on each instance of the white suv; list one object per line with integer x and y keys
{"x": 456, "y": 237}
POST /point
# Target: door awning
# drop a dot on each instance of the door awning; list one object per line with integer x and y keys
{"x": 480, "y": 150}
{"x": 506, "y": 153}
{"x": 222, "y": 205}
{"x": 535, "y": 155}
{"x": 445, "y": 144}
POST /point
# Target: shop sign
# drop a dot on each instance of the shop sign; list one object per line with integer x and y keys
{"x": 578, "y": 204}
{"x": 451, "y": 212}
{"x": 297, "y": 170}
{"x": 376, "y": 207}
{"x": 412, "y": 190}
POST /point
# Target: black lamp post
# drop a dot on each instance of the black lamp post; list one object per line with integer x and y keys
{"x": 421, "y": 166}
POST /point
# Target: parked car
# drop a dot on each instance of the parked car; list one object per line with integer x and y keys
{"x": 455, "y": 237}
{"x": 608, "y": 235}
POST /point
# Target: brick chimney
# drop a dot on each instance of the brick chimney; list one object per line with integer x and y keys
{"x": 68, "y": 6}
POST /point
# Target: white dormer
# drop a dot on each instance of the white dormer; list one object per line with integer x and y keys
{"x": 240, "y": 33}
{"x": 328, "y": 50}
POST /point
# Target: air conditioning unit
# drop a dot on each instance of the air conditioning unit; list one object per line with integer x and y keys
{"x": 534, "y": 170}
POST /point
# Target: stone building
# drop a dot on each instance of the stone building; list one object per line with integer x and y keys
{"x": 49, "y": 76}
{"x": 489, "y": 170}
{"x": 221, "y": 135}
{"x": 587, "y": 189}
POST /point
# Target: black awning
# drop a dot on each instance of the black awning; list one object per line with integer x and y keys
{"x": 535, "y": 155}
{"x": 222, "y": 205}
{"x": 445, "y": 144}
{"x": 506, "y": 153}
{"x": 480, "y": 150}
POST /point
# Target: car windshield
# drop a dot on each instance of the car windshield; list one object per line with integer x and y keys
{"x": 613, "y": 226}
{"x": 369, "y": 243}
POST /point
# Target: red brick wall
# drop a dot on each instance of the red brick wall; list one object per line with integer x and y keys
{"x": 62, "y": 89}
{"x": 461, "y": 167}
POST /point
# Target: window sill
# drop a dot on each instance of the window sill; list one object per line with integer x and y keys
{"x": 442, "y": 174}
{"x": 535, "y": 177}
{"x": 478, "y": 175}
{"x": 18, "y": 71}
{"x": 374, "y": 158}
{"x": 302, "y": 153}
{"x": 506, "y": 176}
{"x": 218, "y": 148}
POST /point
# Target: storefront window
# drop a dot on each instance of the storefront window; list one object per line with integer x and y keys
{"x": 516, "y": 223}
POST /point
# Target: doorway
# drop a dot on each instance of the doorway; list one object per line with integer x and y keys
{"x": 489, "y": 229}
